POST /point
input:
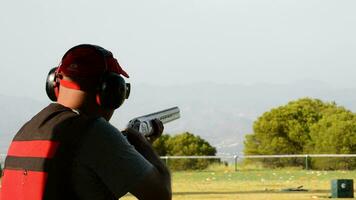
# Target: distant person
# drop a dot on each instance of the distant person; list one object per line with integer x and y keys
{"x": 69, "y": 150}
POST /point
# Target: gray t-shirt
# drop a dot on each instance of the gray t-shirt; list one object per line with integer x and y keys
{"x": 107, "y": 166}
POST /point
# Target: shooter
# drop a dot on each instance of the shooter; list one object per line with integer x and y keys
{"x": 69, "y": 150}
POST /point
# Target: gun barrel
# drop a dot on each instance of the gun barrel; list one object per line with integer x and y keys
{"x": 165, "y": 116}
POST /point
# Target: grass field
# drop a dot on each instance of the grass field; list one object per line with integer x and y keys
{"x": 221, "y": 182}
{"x": 225, "y": 183}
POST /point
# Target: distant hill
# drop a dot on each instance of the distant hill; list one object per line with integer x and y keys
{"x": 221, "y": 114}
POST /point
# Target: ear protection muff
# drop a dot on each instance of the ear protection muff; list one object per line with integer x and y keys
{"x": 52, "y": 84}
{"x": 112, "y": 89}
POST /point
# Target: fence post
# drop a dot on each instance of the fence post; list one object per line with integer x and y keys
{"x": 166, "y": 157}
{"x": 2, "y": 163}
{"x": 236, "y": 157}
{"x": 307, "y": 162}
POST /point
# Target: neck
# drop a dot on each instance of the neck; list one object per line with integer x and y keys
{"x": 82, "y": 101}
{"x": 77, "y": 100}
{"x": 70, "y": 98}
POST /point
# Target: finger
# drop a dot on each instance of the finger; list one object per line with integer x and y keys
{"x": 124, "y": 132}
{"x": 158, "y": 126}
{"x": 161, "y": 127}
{"x": 132, "y": 131}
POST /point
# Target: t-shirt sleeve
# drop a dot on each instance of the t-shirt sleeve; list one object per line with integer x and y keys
{"x": 110, "y": 156}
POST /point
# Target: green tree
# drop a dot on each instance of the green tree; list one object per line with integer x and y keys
{"x": 185, "y": 144}
{"x": 160, "y": 145}
{"x": 334, "y": 134}
{"x": 287, "y": 130}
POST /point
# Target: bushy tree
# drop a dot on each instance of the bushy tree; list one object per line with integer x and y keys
{"x": 160, "y": 145}
{"x": 296, "y": 129}
{"x": 185, "y": 144}
{"x": 334, "y": 134}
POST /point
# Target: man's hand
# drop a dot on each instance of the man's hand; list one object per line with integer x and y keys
{"x": 136, "y": 137}
{"x": 157, "y": 130}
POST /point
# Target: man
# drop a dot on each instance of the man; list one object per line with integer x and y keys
{"x": 70, "y": 151}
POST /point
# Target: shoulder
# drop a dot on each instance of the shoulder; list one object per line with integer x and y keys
{"x": 106, "y": 153}
{"x": 101, "y": 125}
{"x": 101, "y": 133}
{"x": 104, "y": 143}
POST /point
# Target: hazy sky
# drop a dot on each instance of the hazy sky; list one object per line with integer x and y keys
{"x": 186, "y": 41}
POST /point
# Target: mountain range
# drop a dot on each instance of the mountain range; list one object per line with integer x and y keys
{"x": 222, "y": 114}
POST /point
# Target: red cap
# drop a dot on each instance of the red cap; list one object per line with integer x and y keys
{"x": 89, "y": 61}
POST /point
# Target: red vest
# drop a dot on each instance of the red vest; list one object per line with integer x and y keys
{"x": 40, "y": 157}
